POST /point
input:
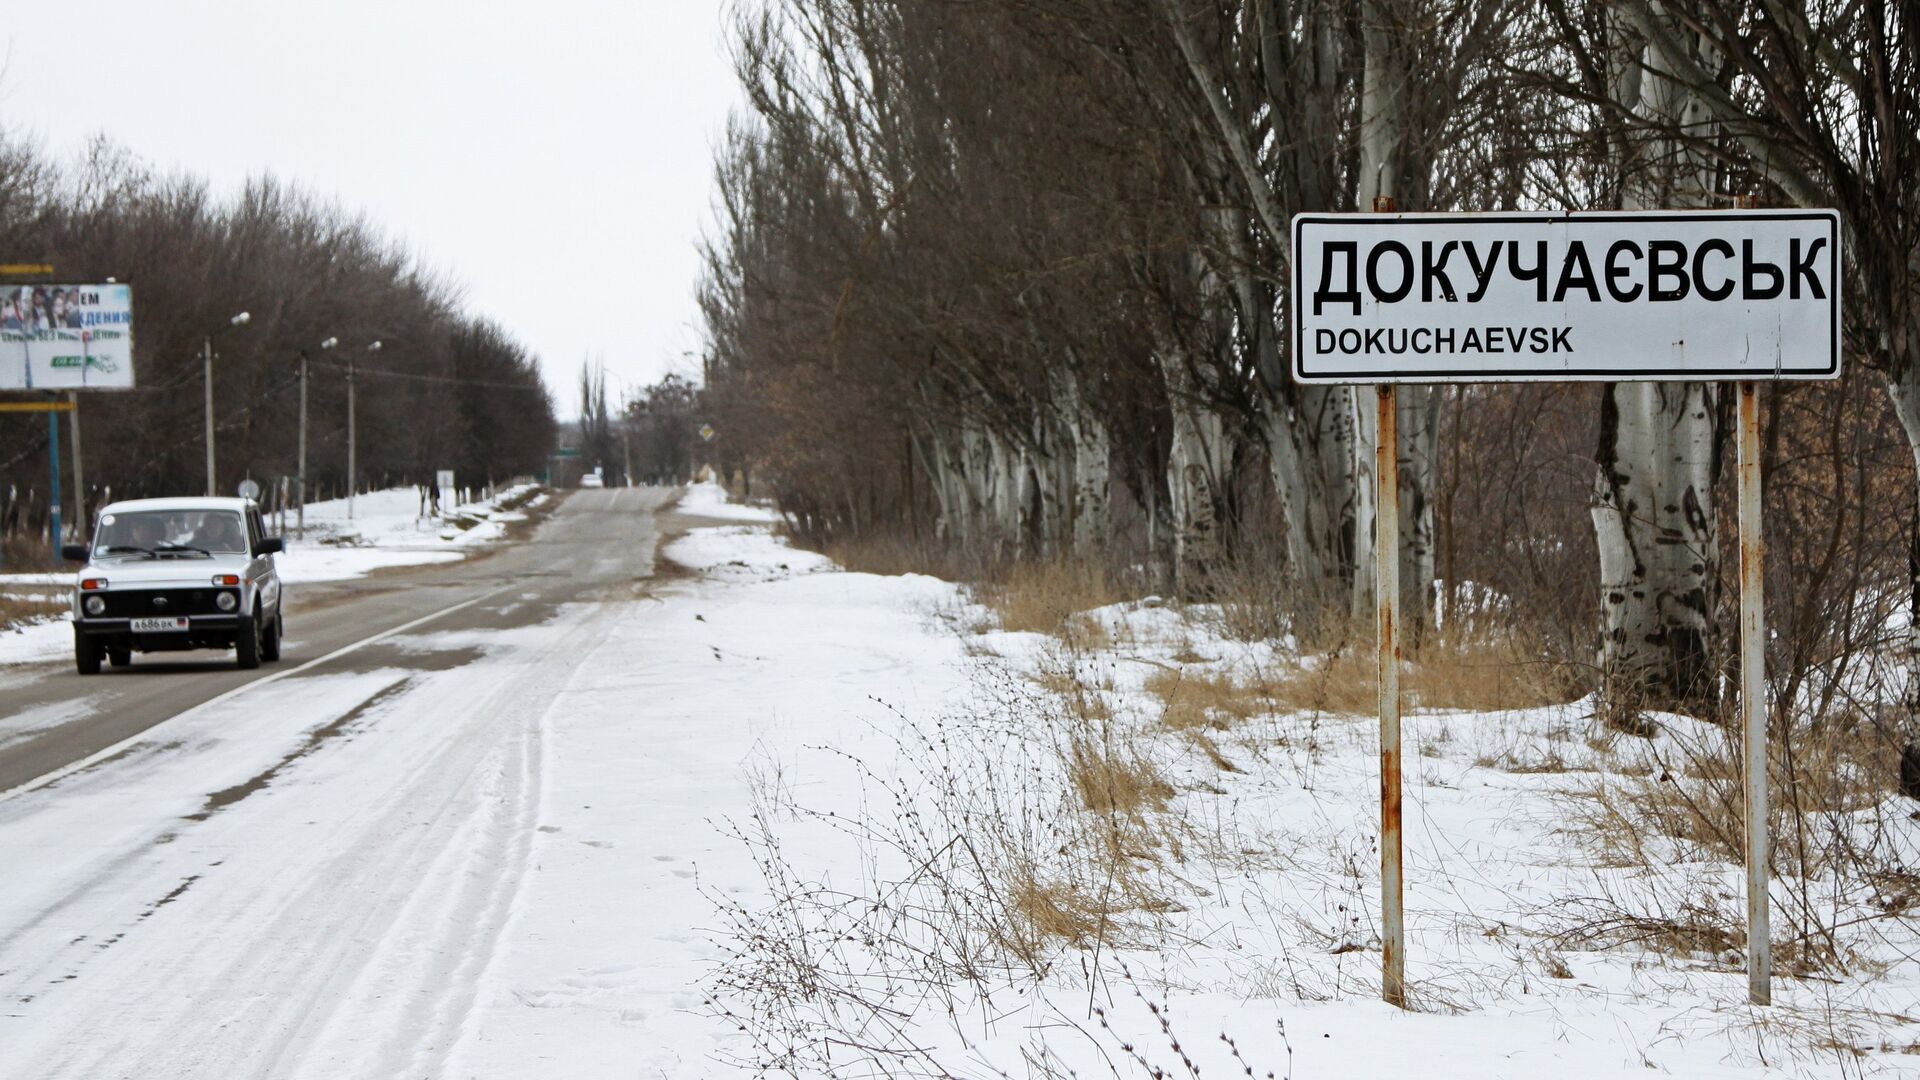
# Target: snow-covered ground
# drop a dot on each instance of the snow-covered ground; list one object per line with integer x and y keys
{"x": 775, "y": 793}
{"x": 391, "y": 528}
{"x": 497, "y": 870}
{"x": 708, "y": 499}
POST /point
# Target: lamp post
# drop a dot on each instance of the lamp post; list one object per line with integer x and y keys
{"x": 206, "y": 353}
{"x": 301, "y": 522}
{"x": 353, "y": 434}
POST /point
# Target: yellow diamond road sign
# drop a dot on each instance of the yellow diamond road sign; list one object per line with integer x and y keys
{"x": 707, "y": 432}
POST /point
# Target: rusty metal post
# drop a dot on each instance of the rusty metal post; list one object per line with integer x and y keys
{"x": 1386, "y": 561}
{"x": 1753, "y": 700}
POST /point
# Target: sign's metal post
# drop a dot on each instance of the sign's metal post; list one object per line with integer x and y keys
{"x": 1753, "y": 699}
{"x": 1386, "y": 556}
{"x": 1386, "y": 596}
{"x": 79, "y": 478}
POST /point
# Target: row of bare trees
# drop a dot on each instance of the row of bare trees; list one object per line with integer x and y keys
{"x": 1017, "y": 268}
{"x": 445, "y": 390}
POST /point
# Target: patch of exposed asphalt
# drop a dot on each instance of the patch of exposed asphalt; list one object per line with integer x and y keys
{"x": 394, "y": 653}
{"x": 316, "y": 738}
{"x": 119, "y": 755}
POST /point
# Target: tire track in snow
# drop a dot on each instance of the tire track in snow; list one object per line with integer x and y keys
{"x": 370, "y": 943}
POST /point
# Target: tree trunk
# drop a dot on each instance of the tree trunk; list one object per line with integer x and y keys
{"x": 1655, "y": 525}
{"x": 1391, "y": 168}
{"x": 1905, "y": 394}
{"x": 1196, "y": 474}
{"x": 1657, "y": 461}
{"x": 1419, "y": 423}
{"x": 1091, "y": 481}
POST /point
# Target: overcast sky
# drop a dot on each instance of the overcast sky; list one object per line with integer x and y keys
{"x": 552, "y": 158}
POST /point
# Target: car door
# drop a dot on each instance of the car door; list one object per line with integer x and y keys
{"x": 262, "y": 568}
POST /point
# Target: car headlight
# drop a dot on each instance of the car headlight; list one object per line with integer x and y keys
{"x": 227, "y": 601}
{"x": 95, "y": 605}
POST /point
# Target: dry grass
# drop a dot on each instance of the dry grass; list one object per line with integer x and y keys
{"x": 21, "y": 611}
{"x": 1043, "y": 597}
{"x": 1110, "y": 782}
{"x": 1045, "y": 912}
{"x": 890, "y": 555}
{"x": 1192, "y": 699}
{"x": 1692, "y": 794}
{"x": 1488, "y": 676}
{"x": 1473, "y": 678}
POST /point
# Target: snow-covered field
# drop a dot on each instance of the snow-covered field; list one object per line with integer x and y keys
{"x": 780, "y": 807}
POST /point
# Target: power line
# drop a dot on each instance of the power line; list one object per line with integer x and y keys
{"x": 358, "y": 370}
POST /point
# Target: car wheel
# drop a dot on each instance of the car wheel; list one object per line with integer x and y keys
{"x": 270, "y": 641}
{"x": 120, "y": 655}
{"x": 246, "y": 643}
{"x": 86, "y": 654}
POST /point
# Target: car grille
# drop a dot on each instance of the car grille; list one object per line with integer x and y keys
{"x": 139, "y": 604}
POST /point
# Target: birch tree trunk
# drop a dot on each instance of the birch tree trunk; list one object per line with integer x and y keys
{"x": 1091, "y": 478}
{"x": 1904, "y": 390}
{"x": 1309, "y": 435}
{"x": 1657, "y": 461}
{"x": 1659, "y": 550}
{"x": 1387, "y": 168}
{"x": 1196, "y": 473}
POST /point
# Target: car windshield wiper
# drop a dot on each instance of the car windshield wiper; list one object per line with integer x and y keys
{"x": 182, "y": 548}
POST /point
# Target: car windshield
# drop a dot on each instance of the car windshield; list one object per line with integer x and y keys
{"x": 171, "y": 533}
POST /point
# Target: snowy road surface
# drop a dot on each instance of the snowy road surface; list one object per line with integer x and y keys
{"x": 49, "y": 719}
{"x": 312, "y": 876}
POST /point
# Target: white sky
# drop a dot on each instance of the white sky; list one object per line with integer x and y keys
{"x": 553, "y": 158}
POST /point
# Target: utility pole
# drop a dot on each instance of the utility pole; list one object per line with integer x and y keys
{"x": 353, "y": 450}
{"x": 324, "y": 346}
{"x": 206, "y": 352}
{"x": 353, "y": 434}
{"x": 300, "y": 472}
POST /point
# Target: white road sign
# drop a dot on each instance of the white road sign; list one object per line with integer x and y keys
{"x": 66, "y": 337}
{"x": 1674, "y": 295}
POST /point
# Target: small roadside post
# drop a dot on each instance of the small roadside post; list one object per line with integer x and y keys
{"x": 1739, "y": 296}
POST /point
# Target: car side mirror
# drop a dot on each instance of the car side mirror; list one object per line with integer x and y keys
{"x": 272, "y": 545}
{"x": 76, "y": 552}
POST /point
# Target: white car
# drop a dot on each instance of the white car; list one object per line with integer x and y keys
{"x": 592, "y": 480}
{"x": 171, "y": 574}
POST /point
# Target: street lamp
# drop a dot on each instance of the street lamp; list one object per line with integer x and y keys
{"x": 302, "y": 522}
{"x": 353, "y": 433}
{"x": 207, "y": 354}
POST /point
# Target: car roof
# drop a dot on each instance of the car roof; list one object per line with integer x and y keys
{"x": 203, "y": 502}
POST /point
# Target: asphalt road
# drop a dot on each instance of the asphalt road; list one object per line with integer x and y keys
{"x": 595, "y": 544}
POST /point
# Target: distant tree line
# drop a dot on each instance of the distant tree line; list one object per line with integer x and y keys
{"x": 445, "y": 390}
{"x": 1010, "y": 276}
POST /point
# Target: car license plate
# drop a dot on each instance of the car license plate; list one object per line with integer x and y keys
{"x": 155, "y": 626}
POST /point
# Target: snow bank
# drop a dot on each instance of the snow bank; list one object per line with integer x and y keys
{"x": 37, "y": 642}
{"x": 709, "y": 500}
{"x": 388, "y": 528}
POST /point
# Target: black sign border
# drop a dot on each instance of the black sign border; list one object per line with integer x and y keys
{"x": 1366, "y": 378}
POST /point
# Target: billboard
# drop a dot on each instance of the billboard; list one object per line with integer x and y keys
{"x": 1660, "y": 295}
{"x": 66, "y": 337}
